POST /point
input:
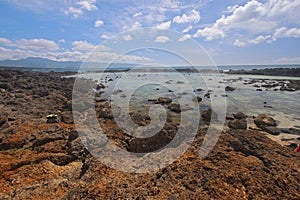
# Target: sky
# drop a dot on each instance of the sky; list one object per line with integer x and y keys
{"x": 230, "y": 32}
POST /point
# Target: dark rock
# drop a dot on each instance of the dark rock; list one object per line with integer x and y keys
{"x": 272, "y": 130}
{"x": 2, "y": 120}
{"x": 263, "y": 120}
{"x": 238, "y": 124}
{"x": 197, "y": 99}
{"x": 259, "y": 90}
{"x": 164, "y": 100}
{"x": 207, "y": 95}
{"x": 52, "y": 119}
{"x": 239, "y": 115}
{"x": 229, "y": 88}
{"x": 175, "y": 107}
{"x": 100, "y": 86}
{"x": 4, "y": 86}
{"x": 208, "y": 115}
{"x": 67, "y": 117}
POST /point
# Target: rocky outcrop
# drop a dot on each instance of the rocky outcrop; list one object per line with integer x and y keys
{"x": 42, "y": 160}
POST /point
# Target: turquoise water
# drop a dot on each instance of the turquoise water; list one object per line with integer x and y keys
{"x": 140, "y": 87}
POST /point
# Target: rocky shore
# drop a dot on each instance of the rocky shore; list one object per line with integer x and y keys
{"x": 42, "y": 156}
{"x": 293, "y": 72}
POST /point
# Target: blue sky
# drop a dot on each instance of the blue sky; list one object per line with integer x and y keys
{"x": 231, "y": 32}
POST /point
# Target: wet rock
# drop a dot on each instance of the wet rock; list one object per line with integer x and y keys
{"x": 164, "y": 100}
{"x": 239, "y": 115}
{"x": 52, "y": 118}
{"x": 105, "y": 113}
{"x": 272, "y": 130}
{"x": 208, "y": 115}
{"x": 238, "y": 124}
{"x": 207, "y": 95}
{"x": 67, "y": 117}
{"x": 2, "y": 120}
{"x": 100, "y": 86}
{"x": 175, "y": 107}
{"x": 229, "y": 88}
{"x": 263, "y": 120}
{"x": 197, "y": 99}
{"x": 118, "y": 91}
{"x": 4, "y": 86}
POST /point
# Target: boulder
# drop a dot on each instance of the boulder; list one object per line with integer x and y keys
{"x": 164, "y": 100}
{"x": 238, "y": 124}
{"x": 272, "y": 130}
{"x": 208, "y": 114}
{"x": 197, "y": 99}
{"x": 175, "y": 107}
{"x": 229, "y": 88}
{"x": 263, "y": 120}
{"x": 239, "y": 115}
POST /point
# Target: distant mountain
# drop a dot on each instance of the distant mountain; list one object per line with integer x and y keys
{"x": 47, "y": 64}
{"x": 34, "y": 62}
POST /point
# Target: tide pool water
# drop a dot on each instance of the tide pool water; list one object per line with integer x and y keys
{"x": 140, "y": 87}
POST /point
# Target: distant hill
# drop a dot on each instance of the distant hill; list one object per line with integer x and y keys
{"x": 44, "y": 63}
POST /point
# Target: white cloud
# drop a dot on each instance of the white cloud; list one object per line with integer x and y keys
{"x": 137, "y": 14}
{"x": 62, "y": 41}
{"x": 98, "y": 23}
{"x": 254, "y": 17}
{"x": 187, "y": 29}
{"x": 76, "y": 12}
{"x": 104, "y": 36}
{"x": 164, "y": 26}
{"x": 260, "y": 39}
{"x": 192, "y": 17}
{"x": 210, "y": 33}
{"x": 284, "y": 32}
{"x": 6, "y": 42}
{"x": 81, "y": 6}
{"x": 127, "y": 37}
{"x": 239, "y": 43}
{"x": 136, "y": 25}
{"x": 88, "y": 5}
{"x": 162, "y": 39}
{"x": 33, "y": 44}
{"x": 84, "y": 46}
{"x": 185, "y": 37}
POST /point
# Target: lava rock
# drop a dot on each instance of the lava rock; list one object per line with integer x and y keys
{"x": 175, "y": 107}
{"x": 239, "y": 115}
{"x": 263, "y": 120}
{"x": 164, "y": 100}
{"x": 238, "y": 124}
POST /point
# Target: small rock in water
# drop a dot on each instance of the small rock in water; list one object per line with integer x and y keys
{"x": 239, "y": 115}
{"x": 175, "y": 107}
{"x": 197, "y": 99}
{"x": 229, "y": 88}
{"x": 263, "y": 120}
{"x": 272, "y": 130}
{"x": 164, "y": 100}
